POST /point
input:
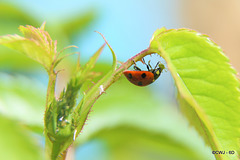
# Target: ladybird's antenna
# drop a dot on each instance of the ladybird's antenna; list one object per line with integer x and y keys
{"x": 157, "y": 65}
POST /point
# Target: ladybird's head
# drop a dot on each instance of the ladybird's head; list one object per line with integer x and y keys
{"x": 161, "y": 66}
{"x": 157, "y": 71}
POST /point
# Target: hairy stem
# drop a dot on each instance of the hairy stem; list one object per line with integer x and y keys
{"x": 92, "y": 97}
{"x": 64, "y": 154}
{"x": 135, "y": 58}
{"x": 117, "y": 74}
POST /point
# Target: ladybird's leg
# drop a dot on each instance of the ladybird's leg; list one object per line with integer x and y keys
{"x": 143, "y": 60}
{"x": 149, "y": 64}
{"x": 148, "y": 67}
{"x": 135, "y": 66}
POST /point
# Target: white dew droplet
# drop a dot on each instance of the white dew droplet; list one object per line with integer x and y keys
{"x": 75, "y": 135}
{"x": 101, "y": 89}
{"x": 61, "y": 118}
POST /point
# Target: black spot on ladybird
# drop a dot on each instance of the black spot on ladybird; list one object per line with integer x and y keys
{"x": 130, "y": 75}
{"x": 143, "y": 75}
{"x": 140, "y": 83}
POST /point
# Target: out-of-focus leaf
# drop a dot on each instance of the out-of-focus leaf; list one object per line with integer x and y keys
{"x": 16, "y": 144}
{"x": 132, "y": 143}
{"x": 10, "y": 60}
{"x": 207, "y": 85}
{"x": 11, "y": 17}
{"x": 22, "y": 99}
{"x": 128, "y": 105}
{"x": 78, "y": 22}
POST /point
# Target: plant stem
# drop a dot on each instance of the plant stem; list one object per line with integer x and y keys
{"x": 117, "y": 74}
{"x": 94, "y": 96}
{"x": 49, "y": 98}
{"x": 51, "y": 87}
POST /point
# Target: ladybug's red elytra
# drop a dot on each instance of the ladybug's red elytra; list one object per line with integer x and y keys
{"x": 144, "y": 78}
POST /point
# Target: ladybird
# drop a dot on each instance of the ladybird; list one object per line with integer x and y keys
{"x": 144, "y": 78}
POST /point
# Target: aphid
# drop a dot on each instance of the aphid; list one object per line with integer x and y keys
{"x": 144, "y": 78}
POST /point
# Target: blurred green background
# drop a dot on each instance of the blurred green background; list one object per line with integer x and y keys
{"x": 128, "y": 122}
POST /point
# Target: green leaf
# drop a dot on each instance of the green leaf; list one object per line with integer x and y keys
{"x": 207, "y": 84}
{"x": 36, "y": 44}
{"x": 16, "y": 143}
{"x": 156, "y": 34}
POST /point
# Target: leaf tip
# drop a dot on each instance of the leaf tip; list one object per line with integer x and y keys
{"x": 43, "y": 26}
{"x": 157, "y": 32}
{"x": 113, "y": 54}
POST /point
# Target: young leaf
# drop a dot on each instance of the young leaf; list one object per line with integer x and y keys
{"x": 92, "y": 95}
{"x": 36, "y": 44}
{"x": 61, "y": 138}
{"x": 60, "y": 117}
{"x": 86, "y": 70}
{"x": 207, "y": 85}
